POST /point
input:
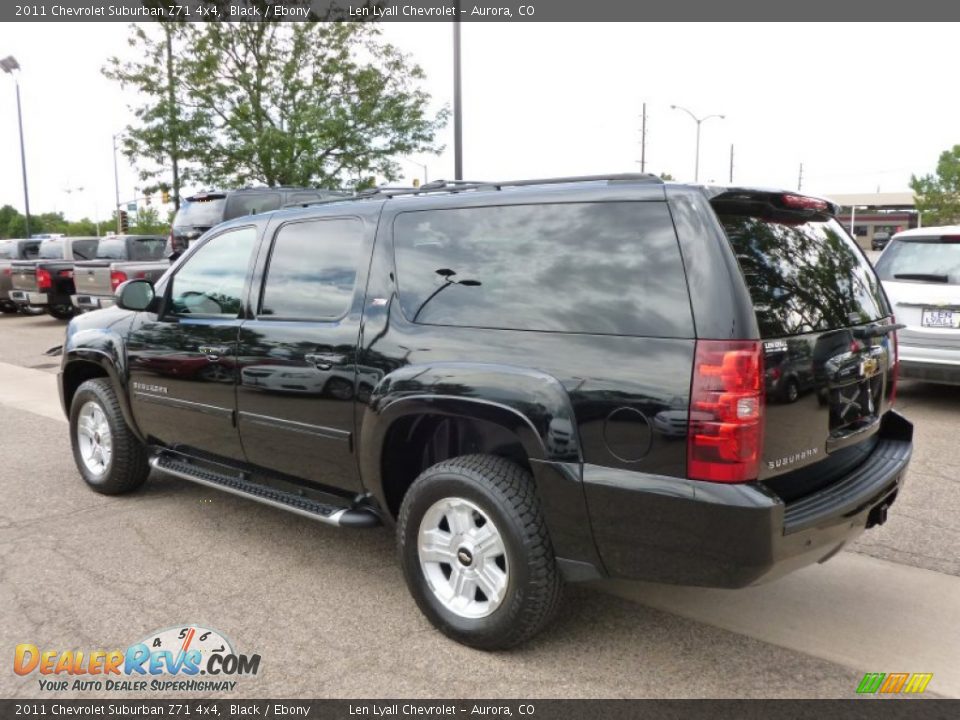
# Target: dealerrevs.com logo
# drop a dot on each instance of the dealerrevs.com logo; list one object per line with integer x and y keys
{"x": 182, "y": 658}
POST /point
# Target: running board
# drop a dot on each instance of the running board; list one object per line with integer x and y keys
{"x": 291, "y": 502}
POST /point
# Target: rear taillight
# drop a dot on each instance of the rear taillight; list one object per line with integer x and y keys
{"x": 8, "y": 271}
{"x": 725, "y": 429}
{"x": 44, "y": 281}
{"x": 117, "y": 278}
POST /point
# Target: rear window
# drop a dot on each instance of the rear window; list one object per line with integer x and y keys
{"x": 8, "y": 250}
{"x": 112, "y": 249}
{"x": 51, "y": 250}
{"x": 921, "y": 259}
{"x": 85, "y": 249}
{"x": 605, "y": 268}
{"x": 803, "y": 276}
{"x": 251, "y": 204}
{"x": 200, "y": 212}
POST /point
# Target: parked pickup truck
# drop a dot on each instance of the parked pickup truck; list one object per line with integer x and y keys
{"x": 47, "y": 282}
{"x": 11, "y": 250}
{"x": 119, "y": 258}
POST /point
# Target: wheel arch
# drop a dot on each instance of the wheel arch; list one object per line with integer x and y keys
{"x": 84, "y": 364}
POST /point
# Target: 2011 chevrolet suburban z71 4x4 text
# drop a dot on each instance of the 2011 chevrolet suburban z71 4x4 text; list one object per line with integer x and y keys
{"x": 533, "y": 382}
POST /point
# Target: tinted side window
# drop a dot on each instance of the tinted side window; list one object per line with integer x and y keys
{"x": 251, "y": 204}
{"x": 312, "y": 270}
{"x": 608, "y": 268}
{"x": 211, "y": 281}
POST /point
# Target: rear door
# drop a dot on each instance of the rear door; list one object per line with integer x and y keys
{"x": 920, "y": 271}
{"x": 826, "y": 331}
{"x": 297, "y": 385}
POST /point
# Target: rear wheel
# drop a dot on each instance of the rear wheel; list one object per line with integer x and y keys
{"x": 108, "y": 455}
{"x": 8, "y": 308}
{"x": 62, "y": 312}
{"x": 476, "y": 553}
{"x": 27, "y": 310}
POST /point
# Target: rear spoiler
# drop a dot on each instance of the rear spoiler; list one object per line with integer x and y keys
{"x": 757, "y": 201}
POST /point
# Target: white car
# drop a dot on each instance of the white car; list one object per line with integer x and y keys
{"x": 920, "y": 271}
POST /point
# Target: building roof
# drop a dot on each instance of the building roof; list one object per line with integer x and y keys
{"x": 875, "y": 200}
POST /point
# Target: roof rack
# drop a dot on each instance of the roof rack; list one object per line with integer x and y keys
{"x": 456, "y": 186}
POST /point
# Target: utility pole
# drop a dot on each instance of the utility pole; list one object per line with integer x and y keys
{"x": 171, "y": 98}
{"x": 643, "y": 140}
{"x": 800, "y": 179}
{"x": 731, "y": 162}
{"x": 116, "y": 183}
{"x": 457, "y": 103}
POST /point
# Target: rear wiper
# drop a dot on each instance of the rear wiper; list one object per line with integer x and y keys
{"x": 925, "y": 277}
{"x": 873, "y": 331}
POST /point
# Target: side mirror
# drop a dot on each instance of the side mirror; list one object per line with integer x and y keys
{"x": 134, "y": 295}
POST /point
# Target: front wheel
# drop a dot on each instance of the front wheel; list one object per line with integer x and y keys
{"x": 108, "y": 455}
{"x": 476, "y": 554}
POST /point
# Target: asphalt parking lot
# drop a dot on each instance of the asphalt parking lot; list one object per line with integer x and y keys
{"x": 329, "y": 614}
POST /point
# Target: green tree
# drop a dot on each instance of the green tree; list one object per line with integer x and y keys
{"x": 937, "y": 197}
{"x": 306, "y": 103}
{"x": 147, "y": 222}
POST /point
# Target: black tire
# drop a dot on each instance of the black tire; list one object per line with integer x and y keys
{"x": 128, "y": 467}
{"x": 61, "y": 312}
{"x": 8, "y": 308}
{"x": 792, "y": 392}
{"x": 505, "y": 493}
{"x": 31, "y": 311}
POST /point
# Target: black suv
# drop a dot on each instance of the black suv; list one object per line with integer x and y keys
{"x": 202, "y": 211}
{"x": 533, "y": 382}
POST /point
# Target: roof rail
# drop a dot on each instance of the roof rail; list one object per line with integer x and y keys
{"x": 456, "y": 186}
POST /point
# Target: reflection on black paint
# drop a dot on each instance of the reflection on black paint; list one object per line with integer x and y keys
{"x": 803, "y": 277}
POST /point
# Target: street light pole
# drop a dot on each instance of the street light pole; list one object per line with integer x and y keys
{"x": 9, "y": 64}
{"x": 457, "y": 104}
{"x": 116, "y": 183}
{"x": 699, "y": 122}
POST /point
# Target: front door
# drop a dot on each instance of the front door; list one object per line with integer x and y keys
{"x": 183, "y": 367}
{"x": 297, "y": 384}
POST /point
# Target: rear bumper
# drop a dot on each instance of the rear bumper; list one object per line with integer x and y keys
{"x": 933, "y": 364}
{"x": 716, "y": 535}
{"x": 91, "y": 302}
{"x": 23, "y": 297}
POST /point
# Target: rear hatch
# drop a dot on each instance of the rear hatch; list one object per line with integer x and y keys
{"x": 196, "y": 215}
{"x": 920, "y": 271}
{"x": 826, "y": 332}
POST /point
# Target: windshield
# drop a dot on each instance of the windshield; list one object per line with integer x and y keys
{"x": 203, "y": 212}
{"x": 803, "y": 276}
{"x": 51, "y": 250}
{"x": 933, "y": 260}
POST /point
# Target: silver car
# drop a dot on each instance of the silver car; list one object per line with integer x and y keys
{"x": 920, "y": 270}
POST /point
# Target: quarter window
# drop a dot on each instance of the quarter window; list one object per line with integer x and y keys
{"x": 603, "y": 267}
{"x": 313, "y": 269}
{"x": 211, "y": 282}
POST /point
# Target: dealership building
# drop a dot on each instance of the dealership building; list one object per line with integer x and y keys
{"x": 866, "y": 214}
